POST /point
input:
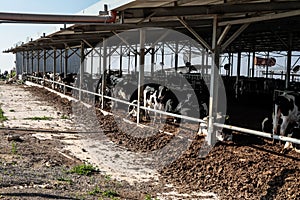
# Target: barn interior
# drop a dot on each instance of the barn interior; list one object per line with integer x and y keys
{"x": 224, "y": 30}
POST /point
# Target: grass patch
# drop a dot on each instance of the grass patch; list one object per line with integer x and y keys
{"x": 2, "y": 117}
{"x": 95, "y": 191}
{"x": 64, "y": 117}
{"x": 149, "y": 197}
{"x": 110, "y": 193}
{"x": 39, "y": 118}
{"x": 83, "y": 170}
{"x": 107, "y": 177}
{"x": 14, "y": 147}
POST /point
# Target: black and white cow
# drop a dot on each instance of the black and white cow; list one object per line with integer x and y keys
{"x": 286, "y": 118}
{"x": 123, "y": 91}
{"x": 155, "y": 97}
{"x": 69, "y": 79}
{"x": 286, "y": 107}
{"x": 292, "y": 130}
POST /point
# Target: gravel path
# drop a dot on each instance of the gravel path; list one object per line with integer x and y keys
{"x": 34, "y": 164}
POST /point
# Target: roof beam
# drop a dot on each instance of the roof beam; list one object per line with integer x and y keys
{"x": 224, "y": 33}
{"x": 234, "y": 36}
{"x": 19, "y": 17}
{"x": 211, "y": 9}
{"x": 262, "y": 18}
{"x": 199, "y": 38}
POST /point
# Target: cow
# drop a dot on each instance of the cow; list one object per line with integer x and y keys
{"x": 285, "y": 118}
{"x": 38, "y": 76}
{"x": 123, "y": 91}
{"x": 292, "y": 130}
{"x": 150, "y": 95}
{"x": 69, "y": 79}
{"x": 132, "y": 110}
{"x": 154, "y": 96}
{"x": 285, "y": 107}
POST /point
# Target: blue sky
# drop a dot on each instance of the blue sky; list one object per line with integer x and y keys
{"x": 14, "y": 33}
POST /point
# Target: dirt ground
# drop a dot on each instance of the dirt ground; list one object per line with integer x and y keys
{"x": 248, "y": 167}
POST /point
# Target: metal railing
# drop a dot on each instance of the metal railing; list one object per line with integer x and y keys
{"x": 230, "y": 127}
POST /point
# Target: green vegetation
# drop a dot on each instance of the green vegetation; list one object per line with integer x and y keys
{"x": 2, "y": 117}
{"x": 148, "y": 197}
{"x": 64, "y": 117}
{"x": 14, "y": 147}
{"x": 39, "y": 118}
{"x": 110, "y": 193}
{"x": 83, "y": 170}
{"x": 106, "y": 193}
{"x": 107, "y": 177}
{"x": 95, "y": 191}
{"x": 13, "y": 73}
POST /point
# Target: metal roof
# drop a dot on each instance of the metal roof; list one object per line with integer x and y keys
{"x": 243, "y": 25}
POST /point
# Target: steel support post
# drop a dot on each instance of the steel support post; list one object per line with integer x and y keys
{"x": 230, "y": 64}
{"x": 44, "y": 64}
{"x": 128, "y": 69}
{"x": 61, "y": 61}
{"x": 92, "y": 62}
{"x": 121, "y": 60}
{"x": 231, "y": 67}
{"x": 109, "y": 58}
{"x": 135, "y": 59}
{"x": 81, "y": 69}
{"x": 66, "y": 66}
{"x": 206, "y": 60}
{"x": 267, "y": 67}
{"x": 163, "y": 53}
{"x": 288, "y": 69}
{"x": 23, "y": 62}
{"x": 141, "y": 71}
{"x": 289, "y": 63}
{"x": 176, "y": 56}
{"x": 253, "y": 69}
{"x": 211, "y": 138}
{"x": 103, "y": 84}
{"x": 152, "y": 61}
{"x": 100, "y": 61}
{"x": 38, "y": 61}
{"x": 202, "y": 62}
{"x": 27, "y": 64}
{"x": 248, "y": 71}
{"x": 238, "y": 73}
{"x": 54, "y": 66}
{"x": 32, "y": 60}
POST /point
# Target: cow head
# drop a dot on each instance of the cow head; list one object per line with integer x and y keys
{"x": 162, "y": 91}
{"x": 284, "y": 104}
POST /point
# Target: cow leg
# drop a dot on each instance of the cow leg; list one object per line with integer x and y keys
{"x": 285, "y": 122}
{"x": 287, "y": 147}
{"x": 276, "y": 117}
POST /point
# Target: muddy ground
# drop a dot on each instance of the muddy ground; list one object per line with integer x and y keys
{"x": 248, "y": 167}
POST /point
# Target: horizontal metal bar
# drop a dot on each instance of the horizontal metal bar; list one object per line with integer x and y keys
{"x": 129, "y": 103}
{"x": 258, "y": 133}
{"x": 57, "y": 18}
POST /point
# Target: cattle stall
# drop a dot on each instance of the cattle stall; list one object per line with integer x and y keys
{"x": 216, "y": 35}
